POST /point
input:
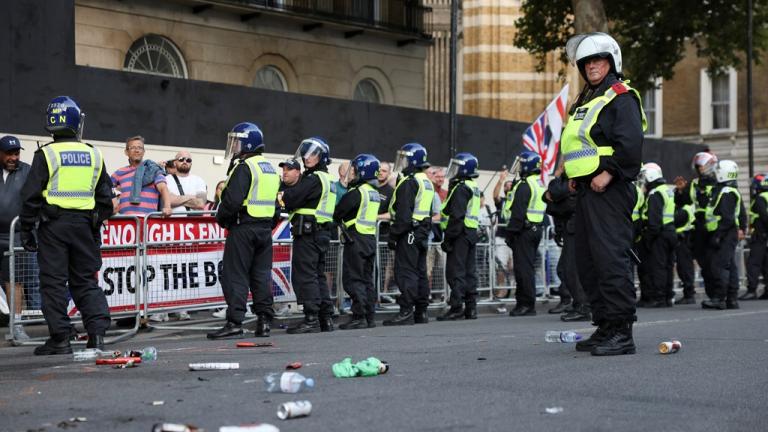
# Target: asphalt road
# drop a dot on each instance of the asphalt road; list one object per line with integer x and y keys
{"x": 495, "y": 374}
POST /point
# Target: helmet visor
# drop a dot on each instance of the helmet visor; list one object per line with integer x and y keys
{"x": 573, "y": 44}
{"x": 307, "y": 150}
{"x": 401, "y": 162}
{"x": 233, "y": 144}
{"x": 453, "y": 168}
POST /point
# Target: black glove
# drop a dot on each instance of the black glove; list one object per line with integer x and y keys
{"x": 446, "y": 246}
{"x": 392, "y": 244}
{"x": 714, "y": 241}
{"x": 28, "y": 241}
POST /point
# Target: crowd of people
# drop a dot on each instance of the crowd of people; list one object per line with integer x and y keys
{"x": 611, "y": 215}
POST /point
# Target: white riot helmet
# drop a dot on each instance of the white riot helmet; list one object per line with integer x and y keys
{"x": 704, "y": 164}
{"x": 726, "y": 170}
{"x": 650, "y": 172}
{"x": 583, "y": 47}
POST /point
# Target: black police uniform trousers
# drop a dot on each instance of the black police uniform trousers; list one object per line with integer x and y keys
{"x": 69, "y": 258}
{"x": 604, "y": 237}
{"x": 658, "y": 264}
{"x": 757, "y": 262}
{"x": 248, "y": 268}
{"x": 357, "y": 277}
{"x": 701, "y": 253}
{"x": 524, "y": 245}
{"x": 308, "y": 272}
{"x": 411, "y": 269}
{"x": 572, "y": 282}
{"x": 684, "y": 262}
{"x": 461, "y": 273}
{"x": 721, "y": 263}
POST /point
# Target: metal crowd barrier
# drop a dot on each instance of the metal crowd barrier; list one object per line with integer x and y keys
{"x": 119, "y": 278}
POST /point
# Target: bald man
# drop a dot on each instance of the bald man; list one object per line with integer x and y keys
{"x": 188, "y": 191}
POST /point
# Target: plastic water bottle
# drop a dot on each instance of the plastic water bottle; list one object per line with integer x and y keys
{"x": 287, "y": 382}
{"x": 149, "y": 354}
{"x": 88, "y": 354}
{"x": 562, "y": 336}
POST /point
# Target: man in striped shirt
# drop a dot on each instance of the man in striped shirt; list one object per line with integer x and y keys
{"x": 150, "y": 196}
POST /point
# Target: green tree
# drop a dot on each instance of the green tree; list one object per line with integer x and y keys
{"x": 653, "y": 34}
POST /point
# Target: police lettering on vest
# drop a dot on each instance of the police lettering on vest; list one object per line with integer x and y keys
{"x": 323, "y": 213}
{"x": 364, "y": 221}
{"x": 422, "y": 206}
{"x": 580, "y": 153}
{"x": 73, "y": 171}
{"x": 265, "y": 182}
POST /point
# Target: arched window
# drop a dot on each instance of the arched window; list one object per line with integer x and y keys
{"x": 156, "y": 55}
{"x": 269, "y": 77}
{"x": 367, "y": 90}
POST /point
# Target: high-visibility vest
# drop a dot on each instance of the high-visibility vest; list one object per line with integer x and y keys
{"x": 265, "y": 182}
{"x": 323, "y": 213}
{"x": 580, "y": 153}
{"x": 472, "y": 215}
{"x": 690, "y": 219}
{"x": 638, "y": 204}
{"x": 422, "y": 206}
{"x": 752, "y": 214}
{"x": 536, "y": 204}
{"x": 694, "y": 190}
{"x": 668, "y": 197}
{"x": 713, "y": 220}
{"x": 74, "y": 169}
{"x": 368, "y": 211}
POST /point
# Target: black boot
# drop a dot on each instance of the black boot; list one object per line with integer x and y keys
{"x": 263, "y": 326}
{"x": 685, "y": 300}
{"x": 452, "y": 314}
{"x": 310, "y": 324}
{"x": 560, "y": 307}
{"x": 714, "y": 303}
{"x": 597, "y": 337}
{"x": 230, "y": 330}
{"x": 326, "y": 324}
{"x": 749, "y": 295}
{"x": 619, "y": 342}
{"x": 731, "y": 304}
{"x": 370, "y": 318}
{"x": 95, "y": 341}
{"x": 357, "y": 322}
{"x": 579, "y": 313}
{"x": 421, "y": 316}
{"x": 764, "y": 296}
{"x": 56, "y": 344}
{"x": 402, "y": 318}
{"x": 520, "y": 310}
{"x": 470, "y": 311}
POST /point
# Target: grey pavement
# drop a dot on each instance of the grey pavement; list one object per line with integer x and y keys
{"x": 492, "y": 374}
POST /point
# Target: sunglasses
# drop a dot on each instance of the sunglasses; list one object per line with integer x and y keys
{"x": 187, "y": 160}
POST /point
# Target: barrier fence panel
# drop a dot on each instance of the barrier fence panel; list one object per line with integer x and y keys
{"x": 118, "y": 278}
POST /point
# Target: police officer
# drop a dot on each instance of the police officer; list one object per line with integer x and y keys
{"x": 758, "y": 240}
{"x": 69, "y": 192}
{"x": 248, "y": 211}
{"x": 722, "y": 223}
{"x": 685, "y": 218}
{"x": 311, "y": 204}
{"x": 561, "y": 204}
{"x": 357, "y": 213}
{"x": 658, "y": 236}
{"x": 602, "y": 146}
{"x": 411, "y": 215}
{"x": 460, "y": 220}
{"x": 698, "y": 193}
{"x": 524, "y": 211}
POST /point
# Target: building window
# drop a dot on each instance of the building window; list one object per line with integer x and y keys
{"x": 367, "y": 91}
{"x": 270, "y": 78}
{"x": 652, "y": 106}
{"x": 718, "y": 102}
{"x": 155, "y": 55}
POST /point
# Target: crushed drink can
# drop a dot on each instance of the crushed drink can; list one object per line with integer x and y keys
{"x": 670, "y": 347}
{"x": 294, "y": 409}
{"x": 213, "y": 366}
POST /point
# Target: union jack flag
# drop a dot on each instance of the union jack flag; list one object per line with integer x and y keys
{"x": 281, "y": 262}
{"x": 543, "y": 136}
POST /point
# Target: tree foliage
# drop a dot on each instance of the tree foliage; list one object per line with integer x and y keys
{"x": 653, "y": 34}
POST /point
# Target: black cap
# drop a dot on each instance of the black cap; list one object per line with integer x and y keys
{"x": 290, "y": 163}
{"x": 9, "y": 143}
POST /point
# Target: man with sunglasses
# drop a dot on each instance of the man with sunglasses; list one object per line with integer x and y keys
{"x": 188, "y": 191}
